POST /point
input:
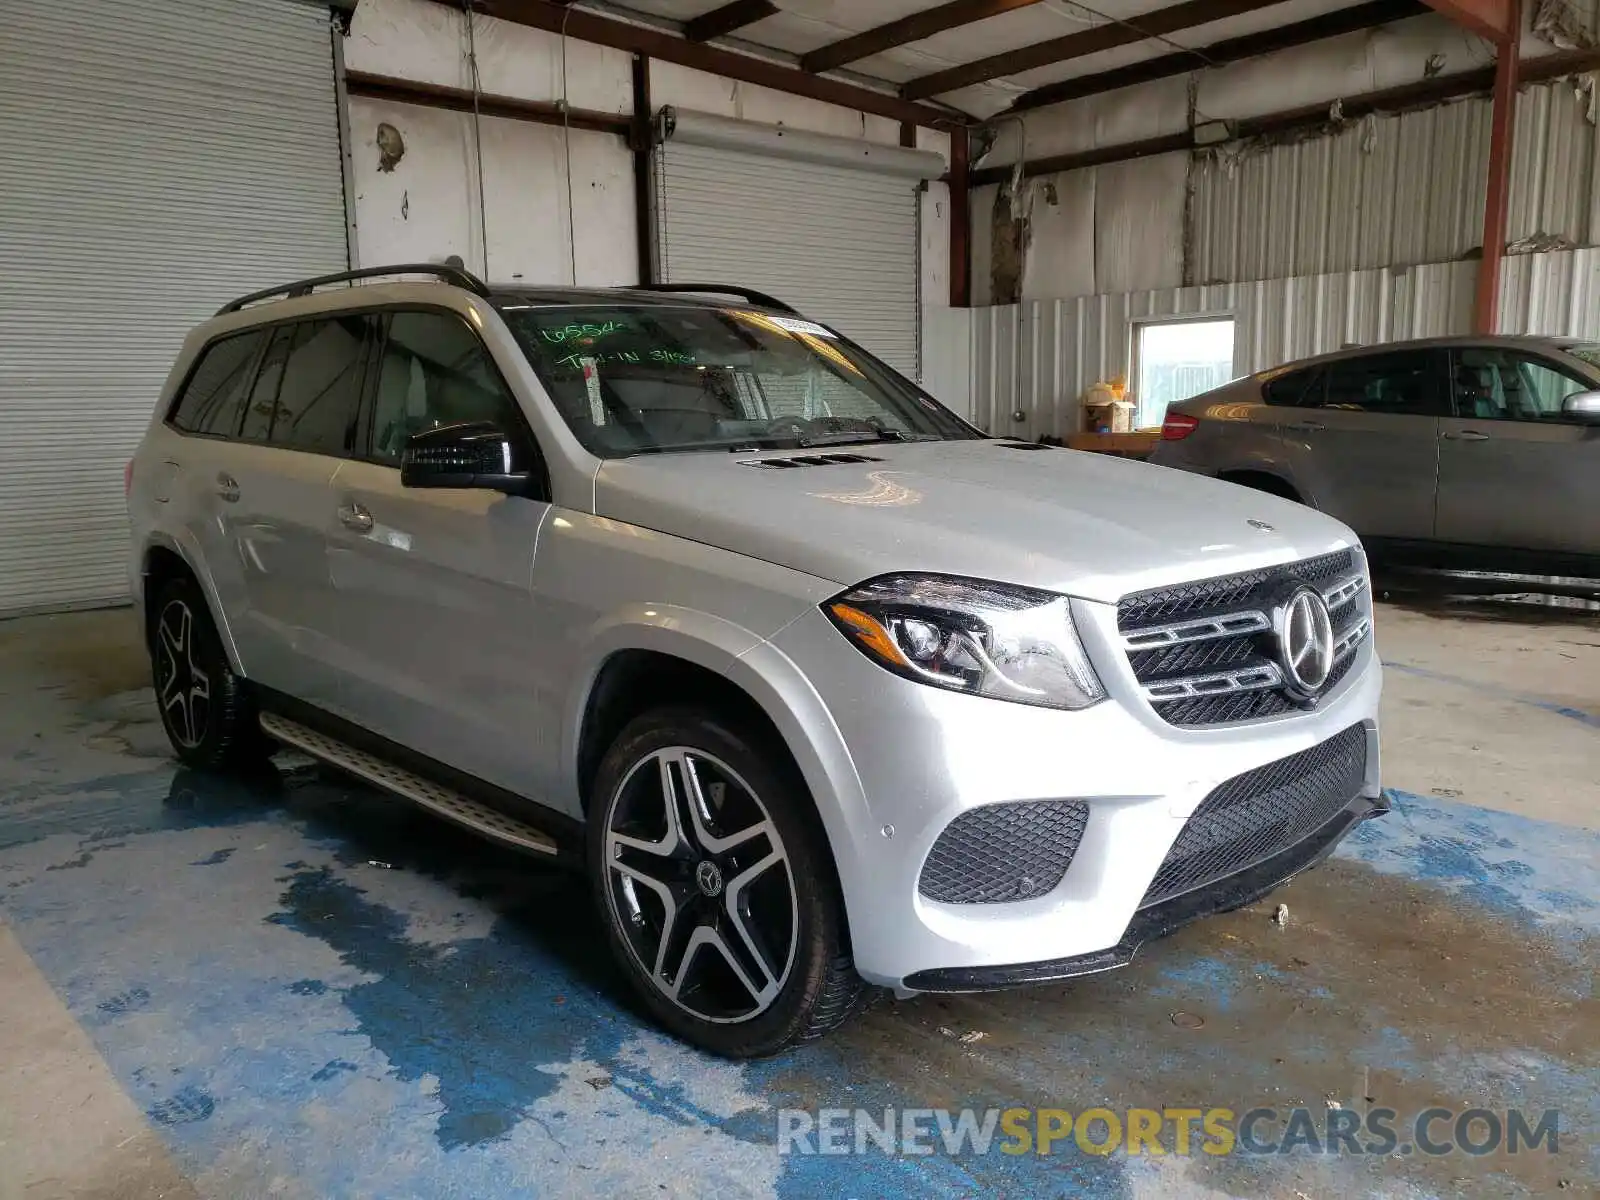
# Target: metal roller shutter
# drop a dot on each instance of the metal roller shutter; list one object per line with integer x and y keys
{"x": 157, "y": 157}
{"x": 783, "y": 212}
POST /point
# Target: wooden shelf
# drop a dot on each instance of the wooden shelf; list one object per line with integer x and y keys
{"x": 1138, "y": 444}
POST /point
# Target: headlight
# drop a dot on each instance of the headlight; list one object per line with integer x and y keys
{"x": 986, "y": 639}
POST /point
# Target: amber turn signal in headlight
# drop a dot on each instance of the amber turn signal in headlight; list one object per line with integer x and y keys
{"x": 969, "y": 635}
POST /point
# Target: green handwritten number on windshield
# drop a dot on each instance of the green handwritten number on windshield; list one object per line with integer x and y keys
{"x": 674, "y": 357}
{"x": 569, "y": 333}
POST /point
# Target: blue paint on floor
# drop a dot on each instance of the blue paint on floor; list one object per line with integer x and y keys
{"x": 285, "y": 1010}
{"x": 1533, "y": 871}
{"x": 1582, "y": 716}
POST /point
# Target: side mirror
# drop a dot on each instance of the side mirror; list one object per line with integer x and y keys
{"x": 472, "y": 455}
{"x": 1582, "y": 407}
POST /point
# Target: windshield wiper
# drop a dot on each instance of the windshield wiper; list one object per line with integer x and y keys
{"x": 857, "y": 437}
{"x": 731, "y": 445}
{"x": 787, "y": 441}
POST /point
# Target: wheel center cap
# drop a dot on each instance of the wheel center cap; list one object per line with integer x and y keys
{"x": 708, "y": 877}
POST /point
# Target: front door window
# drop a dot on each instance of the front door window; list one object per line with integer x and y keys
{"x": 1493, "y": 384}
{"x": 1401, "y": 383}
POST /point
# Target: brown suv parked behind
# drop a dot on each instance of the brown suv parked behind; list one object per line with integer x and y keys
{"x": 1465, "y": 452}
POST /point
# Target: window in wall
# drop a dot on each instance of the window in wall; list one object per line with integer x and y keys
{"x": 1177, "y": 360}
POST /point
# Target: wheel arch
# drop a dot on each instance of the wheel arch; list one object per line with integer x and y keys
{"x": 732, "y": 665}
{"x": 166, "y": 557}
{"x": 1270, "y": 481}
{"x": 634, "y": 680}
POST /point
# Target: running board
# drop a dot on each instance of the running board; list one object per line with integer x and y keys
{"x": 446, "y": 802}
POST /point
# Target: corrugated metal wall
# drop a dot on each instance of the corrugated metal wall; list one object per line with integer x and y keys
{"x": 1386, "y": 191}
{"x": 1038, "y": 358}
{"x": 1393, "y": 191}
{"x": 1555, "y": 293}
{"x": 1367, "y": 235}
{"x": 1554, "y": 191}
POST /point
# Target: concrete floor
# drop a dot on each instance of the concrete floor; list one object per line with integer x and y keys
{"x": 299, "y": 988}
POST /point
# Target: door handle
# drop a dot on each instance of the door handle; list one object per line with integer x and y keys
{"x": 355, "y": 517}
{"x": 1467, "y": 435}
{"x": 227, "y": 487}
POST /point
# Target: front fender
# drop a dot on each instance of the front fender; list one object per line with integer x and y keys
{"x": 764, "y": 673}
{"x": 696, "y": 637}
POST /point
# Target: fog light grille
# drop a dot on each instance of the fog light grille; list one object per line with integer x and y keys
{"x": 1003, "y": 853}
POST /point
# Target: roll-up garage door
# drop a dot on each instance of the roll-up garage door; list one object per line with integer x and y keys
{"x": 828, "y": 224}
{"x": 157, "y": 158}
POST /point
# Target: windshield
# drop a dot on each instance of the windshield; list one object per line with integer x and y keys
{"x": 1588, "y": 352}
{"x": 646, "y": 378}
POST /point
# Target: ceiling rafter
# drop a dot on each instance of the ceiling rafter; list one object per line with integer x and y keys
{"x": 1106, "y": 36}
{"x": 657, "y": 43}
{"x": 720, "y": 22}
{"x": 1496, "y": 20}
{"x": 1299, "y": 33}
{"x": 913, "y": 28}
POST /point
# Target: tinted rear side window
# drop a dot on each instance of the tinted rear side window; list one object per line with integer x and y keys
{"x": 263, "y": 401}
{"x": 321, "y": 389}
{"x": 1297, "y": 389}
{"x": 309, "y": 387}
{"x": 211, "y": 398}
{"x": 1402, "y": 384}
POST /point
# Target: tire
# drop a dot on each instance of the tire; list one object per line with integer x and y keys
{"x": 205, "y": 708}
{"x": 794, "y": 978}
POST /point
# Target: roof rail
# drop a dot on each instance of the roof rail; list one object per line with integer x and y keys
{"x": 717, "y": 289}
{"x": 304, "y": 287}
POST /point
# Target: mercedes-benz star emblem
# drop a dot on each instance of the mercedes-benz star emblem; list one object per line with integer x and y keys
{"x": 708, "y": 877}
{"x": 1305, "y": 642}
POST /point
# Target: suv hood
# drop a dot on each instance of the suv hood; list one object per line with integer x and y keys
{"x": 1078, "y": 523}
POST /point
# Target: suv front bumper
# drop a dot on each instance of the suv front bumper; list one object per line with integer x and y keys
{"x": 891, "y": 763}
{"x": 1158, "y": 920}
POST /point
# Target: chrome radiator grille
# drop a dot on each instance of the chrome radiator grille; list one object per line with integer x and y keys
{"x": 1206, "y": 653}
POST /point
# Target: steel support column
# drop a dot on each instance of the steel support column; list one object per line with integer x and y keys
{"x": 1502, "y": 123}
{"x": 640, "y": 137}
{"x": 960, "y": 220}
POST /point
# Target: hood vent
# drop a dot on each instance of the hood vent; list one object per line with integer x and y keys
{"x": 809, "y": 460}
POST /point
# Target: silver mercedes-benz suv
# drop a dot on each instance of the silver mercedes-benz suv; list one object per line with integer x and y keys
{"x": 821, "y": 685}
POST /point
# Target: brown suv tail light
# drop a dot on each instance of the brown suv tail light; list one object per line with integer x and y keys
{"x": 1178, "y": 426}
